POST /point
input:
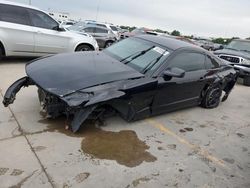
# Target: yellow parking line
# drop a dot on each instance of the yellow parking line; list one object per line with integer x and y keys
{"x": 203, "y": 153}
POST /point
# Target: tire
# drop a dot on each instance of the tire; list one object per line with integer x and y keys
{"x": 212, "y": 96}
{"x": 83, "y": 47}
{"x": 246, "y": 81}
{"x": 1, "y": 53}
{"x": 108, "y": 44}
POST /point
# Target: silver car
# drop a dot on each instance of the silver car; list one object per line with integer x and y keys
{"x": 28, "y": 31}
{"x": 104, "y": 36}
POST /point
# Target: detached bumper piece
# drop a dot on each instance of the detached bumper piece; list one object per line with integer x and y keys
{"x": 229, "y": 86}
{"x": 11, "y": 92}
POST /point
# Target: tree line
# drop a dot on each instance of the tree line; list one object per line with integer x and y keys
{"x": 219, "y": 40}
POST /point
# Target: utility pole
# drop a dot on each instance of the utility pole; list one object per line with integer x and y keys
{"x": 97, "y": 10}
{"x": 29, "y": 2}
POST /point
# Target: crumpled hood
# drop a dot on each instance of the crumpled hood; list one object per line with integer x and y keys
{"x": 233, "y": 52}
{"x": 66, "y": 73}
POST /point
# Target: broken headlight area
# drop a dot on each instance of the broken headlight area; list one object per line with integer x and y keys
{"x": 72, "y": 106}
{"x": 55, "y": 106}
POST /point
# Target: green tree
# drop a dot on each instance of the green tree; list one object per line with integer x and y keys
{"x": 220, "y": 40}
{"x": 176, "y": 33}
{"x": 127, "y": 27}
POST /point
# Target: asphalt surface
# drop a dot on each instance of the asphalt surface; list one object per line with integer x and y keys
{"x": 194, "y": 147}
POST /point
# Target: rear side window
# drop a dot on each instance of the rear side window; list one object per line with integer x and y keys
{"x": 42, "y": 20}
{"x": 99, "y": 30}
{"x": 101, "y": 25}
{"x": 188, "y": 61}
{"x": 211, "y": 63}
{"x": 113, "y": 28}
{"x": 14, "y": 14}
{"x": 89, "y": 29}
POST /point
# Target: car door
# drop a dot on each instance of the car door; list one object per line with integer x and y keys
{"x": 100, "y": 36}
{"x": 48, "y": 39}
{"x": 16, "y": 31}
{"x": 90, "y": 30}
{"x": 182, "y": 92}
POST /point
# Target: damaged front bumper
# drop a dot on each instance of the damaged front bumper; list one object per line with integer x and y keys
{"x": 76, "y": 106}
{"x": 11, "y": 92}
{"x": 80, "y": 115}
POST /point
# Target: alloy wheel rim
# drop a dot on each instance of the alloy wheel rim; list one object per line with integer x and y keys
{"x": 214, "y": 96}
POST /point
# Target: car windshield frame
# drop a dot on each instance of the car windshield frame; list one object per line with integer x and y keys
{"x": 234, "y": 45}
{"x": 142, "y": 55}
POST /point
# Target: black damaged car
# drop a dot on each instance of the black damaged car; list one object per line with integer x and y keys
{"x": 138, "y": 77}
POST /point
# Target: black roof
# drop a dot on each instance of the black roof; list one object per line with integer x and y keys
{"x": 168, "y": 42}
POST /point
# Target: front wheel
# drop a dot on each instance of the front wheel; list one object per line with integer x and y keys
{"x": 1, "y": 53}
{"x": 108, "y": 44}
{"x": 83, "y": 47}
{"x": 212, "y": 97}
{"x": 246, "y": 81}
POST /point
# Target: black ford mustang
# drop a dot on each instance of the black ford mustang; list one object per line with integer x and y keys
{"x": 136, "y": 78}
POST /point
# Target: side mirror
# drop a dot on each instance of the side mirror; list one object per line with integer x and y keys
{"x": 59, "y": 27}
{"x": 173, "y": 72}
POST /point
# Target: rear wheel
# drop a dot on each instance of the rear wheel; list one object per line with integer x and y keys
{"x": 108, "y": 44}
{"x": 1, "y": 53}
{"x": 246, "y": 81}
{"x": 212, "y": 97}
{"x": 83, "y": 47}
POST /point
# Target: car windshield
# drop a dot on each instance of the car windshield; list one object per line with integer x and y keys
{"x": 239, "y": 45}
{"x": 141, "y": 55}
{"x": 113, "y": 28}
{"x": 77, "y": 27}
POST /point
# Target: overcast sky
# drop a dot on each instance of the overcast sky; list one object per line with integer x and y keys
{"x": 214, "y": 18}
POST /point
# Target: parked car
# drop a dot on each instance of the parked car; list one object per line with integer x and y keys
{"x": 136, "y": 31}
{"x": 237, "y": 52}
{"x": 208, "y": 45}
{"x": 104, "y": 37}
{"x": 112, "y": 27}
{"x": 28, "y": 31}
{"x": 137, "y": 77}
{"x": 67, "y": 24}
{"x": 218, "y": 46}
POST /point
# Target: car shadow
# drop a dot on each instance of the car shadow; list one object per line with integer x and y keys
{"x": 15, "y": 60}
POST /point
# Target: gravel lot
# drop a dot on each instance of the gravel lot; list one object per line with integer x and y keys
{"x": 194, "y": 147}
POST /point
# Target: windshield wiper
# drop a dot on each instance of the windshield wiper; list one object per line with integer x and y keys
{"x": 152, "y": 63}
{"x": 136, "y": 56}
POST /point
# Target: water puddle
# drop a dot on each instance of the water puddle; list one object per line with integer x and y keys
{"x": 124, "y": 147}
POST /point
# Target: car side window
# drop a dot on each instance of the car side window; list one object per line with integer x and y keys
{"x": 188, "y": 61}
{"x": 42, "y": 20}
{"x": 101, "y": 25}
{"x": 14, "y": 14}
{"x": 211, "y": 62}
{"x": 99, "y": 30}
{"x": 89, "y": 29}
